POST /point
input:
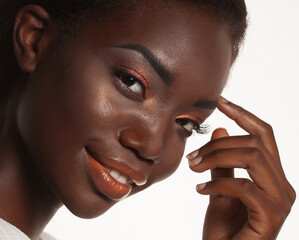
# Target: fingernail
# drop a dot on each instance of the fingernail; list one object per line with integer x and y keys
{"x": 192, "y": 155}
{"x": 195, "y": 161}
{"x": 201, "y": 186}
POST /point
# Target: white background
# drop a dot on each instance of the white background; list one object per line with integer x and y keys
{"x": 265, "y": 80}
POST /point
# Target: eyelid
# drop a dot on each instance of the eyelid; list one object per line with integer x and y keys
{"x": 192, "y": 117}
{"x": 202, "y": 127}
{"x": 139, "y": 77}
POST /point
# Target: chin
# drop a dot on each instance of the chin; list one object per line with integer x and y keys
{"x": 88, "y": 207}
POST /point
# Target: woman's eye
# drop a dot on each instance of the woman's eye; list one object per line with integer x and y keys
{"x": 191, "y": 125}
{"x": 131, "y": 82}
{"x": 188, "y": 124}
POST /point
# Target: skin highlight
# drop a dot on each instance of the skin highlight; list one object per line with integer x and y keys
{"x": 74, "y": 108}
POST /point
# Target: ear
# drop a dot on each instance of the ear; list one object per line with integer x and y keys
{"x": 29, "y": 34}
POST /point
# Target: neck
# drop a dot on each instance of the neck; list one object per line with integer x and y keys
{"x": 28, "y": 202}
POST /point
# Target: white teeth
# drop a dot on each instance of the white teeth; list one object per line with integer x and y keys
{"x": 123, "y": 179}
{"x": 115, "y": 174}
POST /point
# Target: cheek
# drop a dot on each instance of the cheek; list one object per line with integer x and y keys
{"x": 58, "y": 114}
{"x": 62, "y": 99}
{"x": 170, "y": 159}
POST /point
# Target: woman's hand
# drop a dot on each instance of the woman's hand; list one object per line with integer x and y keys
{"x": 243, "y": 208}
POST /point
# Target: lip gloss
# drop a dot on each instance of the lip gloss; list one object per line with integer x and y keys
{"x": 104, "y": 182}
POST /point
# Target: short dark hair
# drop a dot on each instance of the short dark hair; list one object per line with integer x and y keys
{"x": 231, "y": 12}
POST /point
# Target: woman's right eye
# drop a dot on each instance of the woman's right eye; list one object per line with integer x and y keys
{"x": 131, "y": 82}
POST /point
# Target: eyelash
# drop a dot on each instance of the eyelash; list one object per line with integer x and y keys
{"x": 199, "y": 128}
{"x": 123, "y": 72}
{"x": 203, "y": 129}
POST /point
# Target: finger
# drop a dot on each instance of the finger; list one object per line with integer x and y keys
{"x": 221, "y": 172}
{"x": 219, "y": 133}
{"x": 256, "y": 126}
{"x": 251, "y": 141}
{"x": 261, "y": 210}
{"x": 240, "y": 188}
{"x": 251, "y": 124}
{"x": 253, "y": 160}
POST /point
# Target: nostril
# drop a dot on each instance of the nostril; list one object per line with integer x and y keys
{"x": 138, "y": 155}
{"x": 139, "y": 144}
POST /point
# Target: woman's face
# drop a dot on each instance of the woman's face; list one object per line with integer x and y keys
{"x": 123, "y": 96}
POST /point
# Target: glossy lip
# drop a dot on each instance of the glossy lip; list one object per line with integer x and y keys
{"x": 104, "y": 182}
{"x": 98, "y": 168}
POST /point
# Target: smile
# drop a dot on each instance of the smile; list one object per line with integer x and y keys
{"x": 115, "y": 181}
{"x": 119, "y": 177}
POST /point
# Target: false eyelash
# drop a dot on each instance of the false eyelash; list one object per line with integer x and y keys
{"x": 204, "y": 128}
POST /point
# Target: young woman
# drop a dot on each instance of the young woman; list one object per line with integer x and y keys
{"x": 98, "y": 99}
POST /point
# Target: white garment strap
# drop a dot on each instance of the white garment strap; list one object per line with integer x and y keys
{"x": 10, "y": 232}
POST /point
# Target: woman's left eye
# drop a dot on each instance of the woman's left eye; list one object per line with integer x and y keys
{"x": 131, "y": 82}
{"x": 191, "y": 125}
{"x": 188, "y": 124}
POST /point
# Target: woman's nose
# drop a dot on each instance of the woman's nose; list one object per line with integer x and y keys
{"x": 147, "y": 142}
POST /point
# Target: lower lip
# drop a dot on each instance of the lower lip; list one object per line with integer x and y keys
{"x": 104, "y": 182}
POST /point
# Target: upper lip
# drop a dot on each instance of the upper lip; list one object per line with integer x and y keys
{"x": 137, "y": 177}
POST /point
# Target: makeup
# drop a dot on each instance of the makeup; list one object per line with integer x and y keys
{"x": 109, "y": 182}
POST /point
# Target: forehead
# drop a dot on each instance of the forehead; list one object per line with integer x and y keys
{"x": 188, "y": 40}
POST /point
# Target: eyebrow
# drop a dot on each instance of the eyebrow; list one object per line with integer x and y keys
{"x": 206, "y": 104}
{"x": 153, "y": 60}
{"x": 163, "y": 72}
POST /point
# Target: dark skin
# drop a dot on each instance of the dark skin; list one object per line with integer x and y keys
{"x": 74, "y": 103}
{"x": 242, "y": 208}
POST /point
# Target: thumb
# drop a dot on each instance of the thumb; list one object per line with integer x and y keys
{"x": 221, "y": 172}
{"x": 219, "y": 133}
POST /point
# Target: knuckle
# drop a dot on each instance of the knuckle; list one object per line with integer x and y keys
{"x": 285, "y": 204}
{"x": 289, "y": 208}
{"x": 215, "y": 186}
{"x": 210, "y": 146}
{"x": 292, "y": 195}
{"x": 255, "y": 140}
{"x": 216, "y": 153}
{"x": 246, "y": 186}
{"x": 256, "y": 154}
{"x": 267, "y": 128}
{"x": 217, "y": 182}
